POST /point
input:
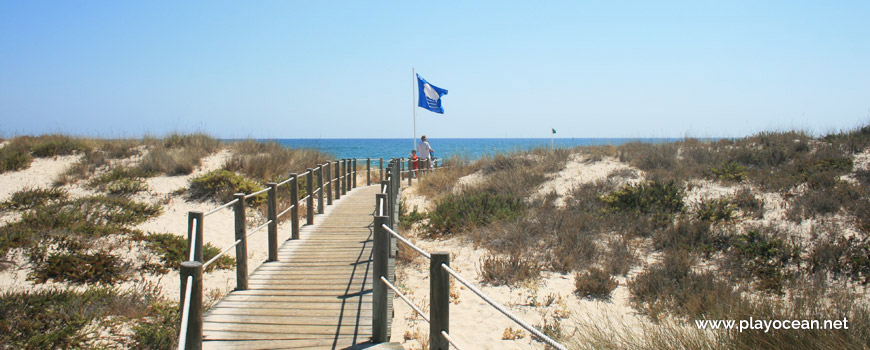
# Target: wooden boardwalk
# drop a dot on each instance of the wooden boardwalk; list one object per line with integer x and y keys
{"x": 317, "y": 296}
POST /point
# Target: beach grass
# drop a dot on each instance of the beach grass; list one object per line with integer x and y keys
{"x": 718, "y": 257}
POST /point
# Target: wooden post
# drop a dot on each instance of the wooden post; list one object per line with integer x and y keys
{"x": 272, "y": 214}
{"x": 348, "y": 177}
{"x": 368, "y": 171}
{"x": 381, "y": 201}
{"x": 439, "y": 303}
{"x": 396, "y": 185}
{"x": 381, "y": 168}
{"x": 344, "y": 176}
{"x": 410, "y": 171}
{"x": 389, "y": 205}
{"x": 337, "y": 179}
{"x": 329, "y": 182}
{"x": 309, "y": 187}
{"x": 294, "y": 212}
{"x": 353, "y": 183}
{"x": 379, "y": 289}
{"x": 320, "y": 189}
{"x": 242, "y": 247}
{"x": 195, "y": 232}
{"x": 194, "y": 318}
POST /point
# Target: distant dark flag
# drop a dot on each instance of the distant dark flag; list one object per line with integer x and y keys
{"x": 430, "y": 96}
{"x": 554, "y": 131}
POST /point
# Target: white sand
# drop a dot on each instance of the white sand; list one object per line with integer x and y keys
{"x": 40, "y": 175}
{"x": 477, "y": 325}
{"x": 578, "y": 171}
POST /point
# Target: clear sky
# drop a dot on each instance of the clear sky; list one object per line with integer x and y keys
{"x": 328, "y": 69}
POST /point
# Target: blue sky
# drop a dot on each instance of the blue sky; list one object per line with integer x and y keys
{"x": 293, "y": 69}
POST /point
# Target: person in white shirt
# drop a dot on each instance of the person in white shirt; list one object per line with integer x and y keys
{"x": 423, "y": 151}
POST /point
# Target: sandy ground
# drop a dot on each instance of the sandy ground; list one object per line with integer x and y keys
{"x": 579, "y": 171}
{"x": 40, "y": 175}
{"x": 218, "y": 226}
{"x": 477, "y": 325}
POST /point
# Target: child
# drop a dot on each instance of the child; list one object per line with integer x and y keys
{"x": 414, "y": 160}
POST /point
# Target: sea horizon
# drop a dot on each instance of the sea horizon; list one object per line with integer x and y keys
{"x": 469, "y": 148}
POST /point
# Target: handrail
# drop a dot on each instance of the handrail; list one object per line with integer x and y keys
{"x": 221, "y": 253}
{"x": 192, "y": 256}
{"x": 284, "y": 182}
{"x": 258, "y": 229}
{"x": 185, "y": 314}
{"x": 256, "y": 193}
{"x": 405, "y": 299}
{"x": 215, "y": 210}
{"x": 286, "y": 210}
{"x": 342, "y": 178}
{"x": 501, "y": 308}
{"x": 399, "y": 237}
{"x": 450, "y": 340}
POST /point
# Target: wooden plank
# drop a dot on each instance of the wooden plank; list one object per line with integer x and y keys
{"x": 338, "y": 343}
{"x": 318, "y": 293}
{"x": 275, "y": 312}
{"x": 272, "y": 331}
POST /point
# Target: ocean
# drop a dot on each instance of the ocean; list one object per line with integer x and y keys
{"x": 471, "y": 149}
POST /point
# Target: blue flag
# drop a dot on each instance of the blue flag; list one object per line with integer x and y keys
{"x": 430, "y": 95}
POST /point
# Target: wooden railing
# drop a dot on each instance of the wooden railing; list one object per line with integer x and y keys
{"x": 384, "y": 249}
{"x": 341, "y": 177}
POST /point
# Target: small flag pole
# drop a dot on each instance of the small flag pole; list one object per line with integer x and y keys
{"x": 552, "y": 136}
{"x": 414, "y": 107}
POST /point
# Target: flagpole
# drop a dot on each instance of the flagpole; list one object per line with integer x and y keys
{"x": 414, "y": 107}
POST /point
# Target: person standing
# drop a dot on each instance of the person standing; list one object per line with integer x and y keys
{"x": 424, "y": 149}
{"x": 414, "y": 161}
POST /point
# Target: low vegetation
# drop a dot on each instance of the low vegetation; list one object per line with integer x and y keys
{"x": 271, "y": 162}
{"x": 71, "y": 239}
{"x": 54, "y": 319}
{"x": 719, "y": 257}
{"x": 177, "y": 154}
{"x": 595, "y": 284}
{"x": 221, "y": 185}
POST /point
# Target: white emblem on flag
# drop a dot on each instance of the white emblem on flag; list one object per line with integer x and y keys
{"x": 432, "y": 96}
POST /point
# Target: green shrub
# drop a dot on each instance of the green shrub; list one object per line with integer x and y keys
{"x": 78, "y": 267}
{"x": 54, "y": 319}
{"x": 220, "y": 185}
{"x": 672, "y": 287}
{"x": 510, "y": 270}
{"x": 55, "y": 145}
{"x": 717, "y": 210}
{"x": 121, "y": 181}
{"x": 842, "y": 256}
{"x": 765, "y": 257}
{"x": 14, "y": 157}
{"x": 160, "y": 331}
{"x": 126, "y": 187}
{"x": 690, "y": 235}
{"x": 90, "y": 217}
{"x": 748, "y": 203}
{"x": 653, "y": 197}
{"x": 173, "y": 250}
{"x": 406, "y": 220}
{"x": 729, "y": 171}
{"x": 32, "y": 197}
{"x": 457, "y": 212}
{"x": 594, "y": 284}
